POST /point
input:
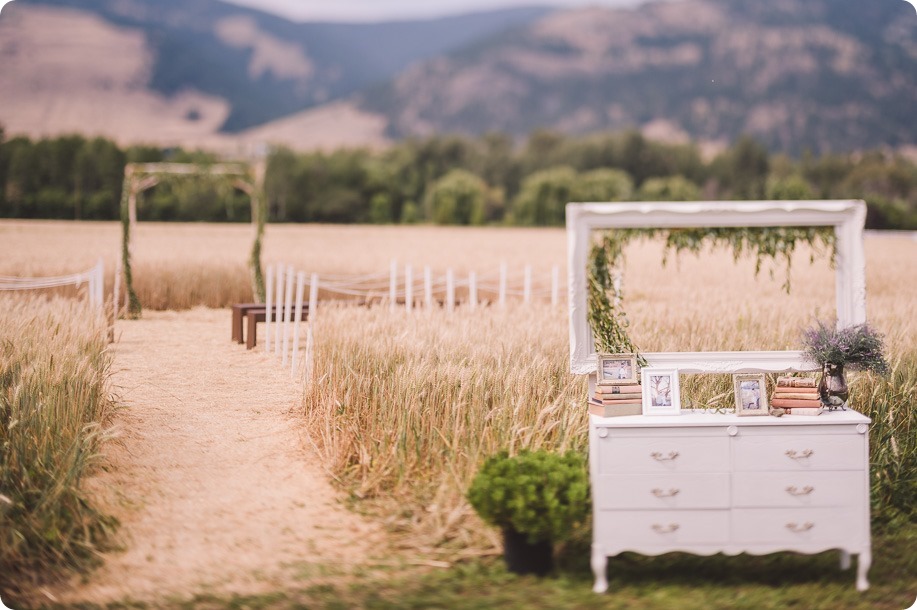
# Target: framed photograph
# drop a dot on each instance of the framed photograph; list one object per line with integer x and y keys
{"x": 751, "y": 394}
{"x": 661, "y": 394}
{"x": 617, "y": 369}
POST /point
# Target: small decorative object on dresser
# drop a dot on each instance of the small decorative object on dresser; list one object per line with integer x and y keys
{"x": 797, "y": 396}
{"x": 617, "y": 392}
{"x": 751, "y": 395}
{"x": 616, "y": 369}
{"x": 857, "y": 347}
{"x": 661, "y": 394}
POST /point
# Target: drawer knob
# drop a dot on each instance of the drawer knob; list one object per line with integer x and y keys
{"x": 799, "y": 455}
{"x": 664, "y": 458}
{"x": 659, "y": 493}
{"x": 795, "y": 527}
{"x": 795, "y": 491}
{"x": 665, "y": 529}
{"x": 603, "y": 432}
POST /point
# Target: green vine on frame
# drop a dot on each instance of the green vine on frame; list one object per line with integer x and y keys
{"x": 605, "y": 297}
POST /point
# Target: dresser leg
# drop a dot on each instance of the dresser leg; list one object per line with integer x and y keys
{"x": 845, "y": 559}
{"x": 863, "y": 563}
{"x": 599, "y": 568}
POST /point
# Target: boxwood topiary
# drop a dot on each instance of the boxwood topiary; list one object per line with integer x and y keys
{"x": 537, "y": 493}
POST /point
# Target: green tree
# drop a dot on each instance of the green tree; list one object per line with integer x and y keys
{"x": 543, "y": 197}
{"x": 380, "y": 209}
{"x": 604, "y": 185}
{"x": 459, "y": 198}
{"x": 672, "y": 188}
{"x": 280, "y": 176}
{"x": 743, "y": 169}
{"x": 98, "y": 180}
{"x": 792, "y": 187}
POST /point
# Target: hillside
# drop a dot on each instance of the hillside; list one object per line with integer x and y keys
{"x": 797, "y": 74}
{"x": 820, "y": 75}
{"x": 179, "y": 70}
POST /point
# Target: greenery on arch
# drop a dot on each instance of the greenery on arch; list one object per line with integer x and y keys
{"x": 605, "y": 295}
{"x": 223, "y": 179}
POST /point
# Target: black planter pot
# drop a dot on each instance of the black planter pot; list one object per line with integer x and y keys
{"x": 522, "y": 557}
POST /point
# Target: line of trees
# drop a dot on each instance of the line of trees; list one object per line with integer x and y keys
{"x": 453, "y": 180}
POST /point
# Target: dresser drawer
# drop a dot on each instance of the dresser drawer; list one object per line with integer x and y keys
{"x": 792, "y": 489}
{"x": 659, "y": 454}
{"x": 778, "y": 526}
{"x": 799, "y": 452}
{"x": 632, "y": 529}
{"x": 661, "y": 491}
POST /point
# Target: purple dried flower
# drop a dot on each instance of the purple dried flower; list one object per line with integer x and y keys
{"x": 858, "y": 347}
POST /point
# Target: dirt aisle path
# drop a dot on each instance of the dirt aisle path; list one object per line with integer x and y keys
{"x": 212, "y": 481}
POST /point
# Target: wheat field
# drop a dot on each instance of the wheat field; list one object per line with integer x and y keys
{"x": 404, "y": 407}
{"x": 54, "y": 403}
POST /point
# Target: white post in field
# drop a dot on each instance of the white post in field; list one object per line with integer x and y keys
{"x": 278, "y": 307}
{"x": 100, "y": 284}
{"x": 297, "y": 317}
{"x": 393, "y": 286}
{"x": 555, "y": 285}
{"x": 91, "y": 287}
{"x": 428, "y": 288}
{"x": 116, "y": 290}
{"x": 450, "y": 291}
{"x": 408, "y": 288}
{"x": 287, "y": 315}
{"x": 527, "y": 285}
{"x": 473, "y": 290}
{"x": 268, "y": 308}
{"x": 310, "y": 340}
{"x": 502, "y": 297}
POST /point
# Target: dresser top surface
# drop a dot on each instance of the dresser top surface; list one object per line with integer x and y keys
{"x": 688, "y": 420}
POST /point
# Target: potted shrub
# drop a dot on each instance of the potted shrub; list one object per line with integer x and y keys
{"x": 536, "y": 498}
{"x": 856, "y": 347}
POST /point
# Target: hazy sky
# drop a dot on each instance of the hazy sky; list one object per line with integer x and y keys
{"x": 376, "y": 10}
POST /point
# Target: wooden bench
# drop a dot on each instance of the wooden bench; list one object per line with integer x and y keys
{"x": 260, "y": 315}
{"x": 254, "y": 313}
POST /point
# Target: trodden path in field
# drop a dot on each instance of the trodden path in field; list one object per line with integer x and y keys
{"x": 212, "y": 479}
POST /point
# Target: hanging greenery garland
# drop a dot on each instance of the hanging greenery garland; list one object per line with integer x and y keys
{"x": 605, "y": 296}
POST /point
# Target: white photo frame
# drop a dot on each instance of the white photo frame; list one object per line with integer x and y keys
{"x": 661, "y": 391}
{"x": 847, "y": 217}
{"x": 750, "y": 394}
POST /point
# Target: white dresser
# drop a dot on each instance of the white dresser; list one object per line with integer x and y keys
{"x": 709, "y": 484}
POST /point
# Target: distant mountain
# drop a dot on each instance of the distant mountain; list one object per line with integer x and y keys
{"x": 260, "y": 65}
{"x": 796, "y": 74}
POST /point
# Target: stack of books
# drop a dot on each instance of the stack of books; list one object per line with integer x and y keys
{"x": 797, "y": 395}
{"x": 617, "y": 400}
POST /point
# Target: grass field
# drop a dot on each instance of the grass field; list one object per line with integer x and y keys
{"x": 54, "y": 401}
{"x": 403, "y": 408}
{"x": 177, "y": 266}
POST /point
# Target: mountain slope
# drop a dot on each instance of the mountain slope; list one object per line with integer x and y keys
{"x": 266, "y": 67}
{"x": 797, "y": 74}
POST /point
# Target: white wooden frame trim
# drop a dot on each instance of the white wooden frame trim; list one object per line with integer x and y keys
{"x": 847, "y": 217}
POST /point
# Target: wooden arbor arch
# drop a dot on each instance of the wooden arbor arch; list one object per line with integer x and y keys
{"x": 139, "y": 177}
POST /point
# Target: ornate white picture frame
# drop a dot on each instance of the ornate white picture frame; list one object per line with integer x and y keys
{"x": 847, "y": 217}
